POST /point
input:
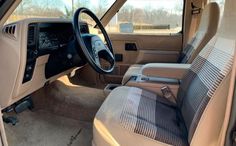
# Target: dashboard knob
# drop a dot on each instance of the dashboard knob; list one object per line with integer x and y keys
{"x": 27, "y": 76}
{"x": 36, "y": 52}
{"x": 69, "y": 56}
{"x": 29, "y": 68}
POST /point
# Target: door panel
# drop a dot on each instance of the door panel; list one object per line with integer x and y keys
{"x": 150, "y": 49}
{"x": 167, "y": 47}
{"x": 147, "y": 56}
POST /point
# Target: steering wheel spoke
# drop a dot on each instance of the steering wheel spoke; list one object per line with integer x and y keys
{"x": 97, "y": 61}
{"x": 109, "y": 56}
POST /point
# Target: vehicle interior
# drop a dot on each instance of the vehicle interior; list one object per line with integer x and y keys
{"x": 117, "y": 72}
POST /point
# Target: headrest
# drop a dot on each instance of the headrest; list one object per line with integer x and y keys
{"x": 228, "y": 24}
{"x": 210, "y": 17}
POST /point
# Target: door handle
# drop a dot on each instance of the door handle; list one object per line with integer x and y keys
{"x": 130, "y": 47}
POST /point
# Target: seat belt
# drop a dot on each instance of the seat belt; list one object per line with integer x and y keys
{"x": 196, "y": 16}
{"x": 168, "y": 94}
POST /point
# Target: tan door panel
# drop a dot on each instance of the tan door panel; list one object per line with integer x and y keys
{"x": 150, "y": 48}
{"x": 147, "y": 56}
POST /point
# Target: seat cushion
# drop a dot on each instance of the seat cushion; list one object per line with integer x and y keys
{"x": 132, "y": 116}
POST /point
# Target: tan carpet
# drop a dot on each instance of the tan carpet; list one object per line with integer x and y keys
{"x": 69, "y": 100}
{"x": 62, "y": 116}
{"x": 40, "y": 128}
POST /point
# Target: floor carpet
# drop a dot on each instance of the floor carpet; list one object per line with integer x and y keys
{"x": 40, "y": 128}
{"x": 66, "y": 99}
{"x": 62, "y": 116}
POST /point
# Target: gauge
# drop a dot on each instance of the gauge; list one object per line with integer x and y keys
{"x": 48, "y": 41}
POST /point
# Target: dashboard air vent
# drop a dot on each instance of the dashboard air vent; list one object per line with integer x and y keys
{"x": 31, "y": 35}
{"x": 10, "y": 30}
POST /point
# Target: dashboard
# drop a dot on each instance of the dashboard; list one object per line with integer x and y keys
{"x": 56, "y": 39}
{"x": 52, "y": 36}
{"x": 39, "y": 51}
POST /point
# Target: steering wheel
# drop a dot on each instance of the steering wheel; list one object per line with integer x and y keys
{"x": 92, "y": 46}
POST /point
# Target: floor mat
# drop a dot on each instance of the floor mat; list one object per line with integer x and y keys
{"x": 40, "y": 128}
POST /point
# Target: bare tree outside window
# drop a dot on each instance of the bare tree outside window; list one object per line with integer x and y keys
{"x": 57, "y": 8}
{"x": 159, "y": 16}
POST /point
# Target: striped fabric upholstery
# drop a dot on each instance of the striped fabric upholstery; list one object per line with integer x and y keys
{"x": 207, "y": 29}
{"x": 150, "y": 115}
{"x": 207, "y": 72}
{"x": 191, "y": 47}
{"x": 144, "y": 113}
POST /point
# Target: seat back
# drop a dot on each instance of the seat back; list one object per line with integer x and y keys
{"x": 203, "y": 92}
{"x": 206, "y": 30}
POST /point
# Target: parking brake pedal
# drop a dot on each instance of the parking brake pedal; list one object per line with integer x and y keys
{"x": 24, "y": 105}
{"x": 19, "y": 107}
{"x": 10, "y": 120}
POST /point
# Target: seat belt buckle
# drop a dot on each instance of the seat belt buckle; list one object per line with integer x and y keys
{"x": 195, "y": 9}
{"x": 167, "y": 93}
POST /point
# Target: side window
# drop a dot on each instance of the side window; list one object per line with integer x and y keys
{"x": 57, "y": 8}
{"x": 148, "y": 17}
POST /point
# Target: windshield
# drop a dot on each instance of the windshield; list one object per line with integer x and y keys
{"x": 57, "y": 8}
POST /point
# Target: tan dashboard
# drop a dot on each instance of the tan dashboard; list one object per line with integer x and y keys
{"x": 20, "y": 76}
